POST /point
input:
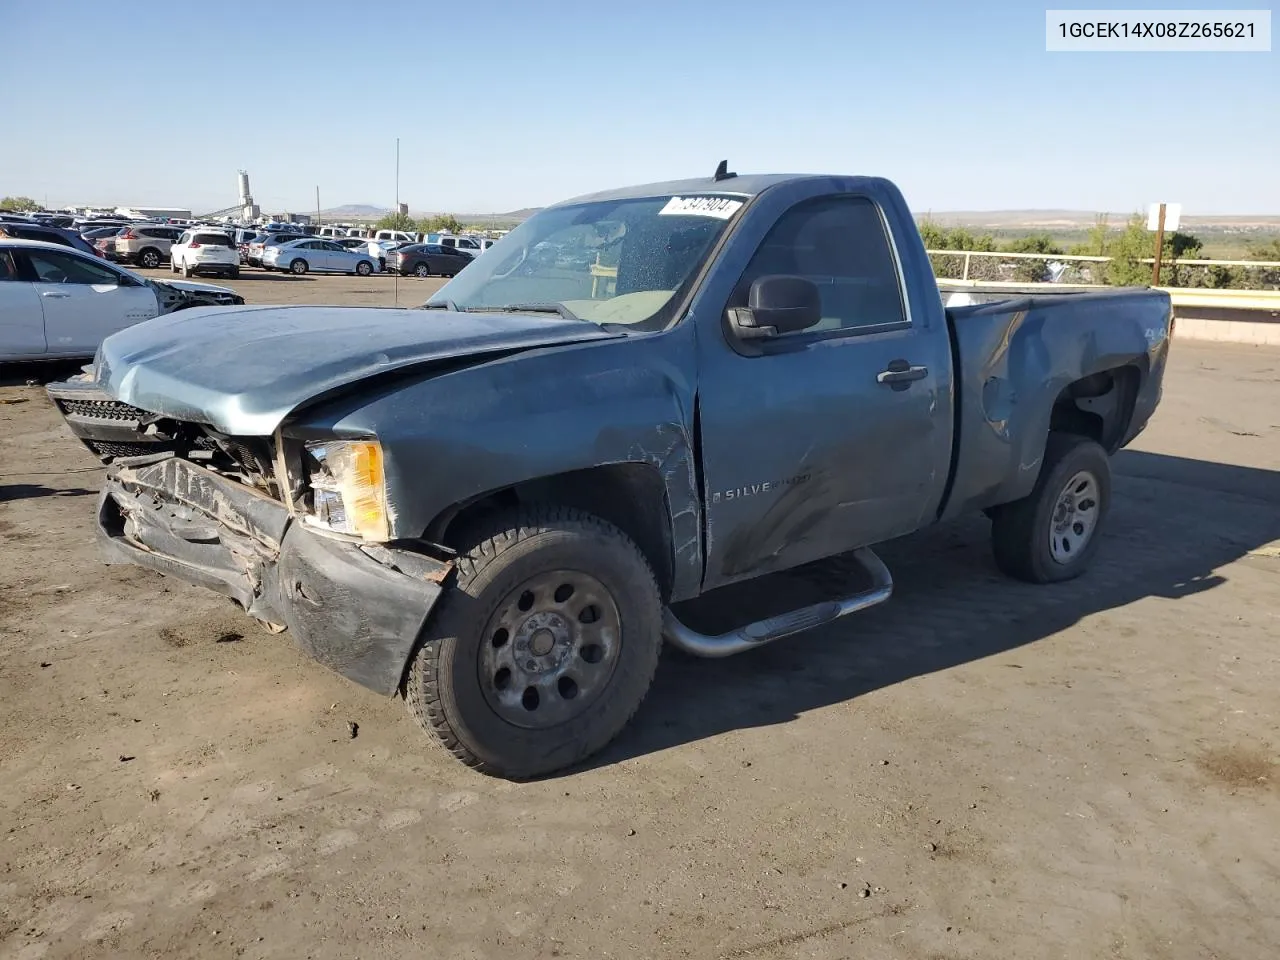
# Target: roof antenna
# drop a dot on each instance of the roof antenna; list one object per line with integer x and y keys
{"x": 722, "y": 171}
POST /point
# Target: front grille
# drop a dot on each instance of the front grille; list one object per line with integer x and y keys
{"x": 100, "y": 409}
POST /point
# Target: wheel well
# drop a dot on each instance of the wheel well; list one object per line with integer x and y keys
{"x": 631, "y": 496}
{"x": 1099, "y": 406}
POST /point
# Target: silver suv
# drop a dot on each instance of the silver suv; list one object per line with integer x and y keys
{"x": 146, "y": 244}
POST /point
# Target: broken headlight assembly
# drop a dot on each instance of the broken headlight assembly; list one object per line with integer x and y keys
{"x": 347, "y": 490}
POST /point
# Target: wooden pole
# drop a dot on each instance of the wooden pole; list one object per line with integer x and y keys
{"x": 1155, "y": 266}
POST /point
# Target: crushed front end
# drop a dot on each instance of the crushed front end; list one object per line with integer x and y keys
{"x": 279, "y": 526}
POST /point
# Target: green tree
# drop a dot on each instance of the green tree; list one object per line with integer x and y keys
{"x": 1032, "y": 271}
{"x": 396, "y": 221}
{"x": 440, "y": 223}
{"x": 18, "y": 204}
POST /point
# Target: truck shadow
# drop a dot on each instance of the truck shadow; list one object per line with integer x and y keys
{"x": 1175, "y": 521}
{"x": 35, "y": 372}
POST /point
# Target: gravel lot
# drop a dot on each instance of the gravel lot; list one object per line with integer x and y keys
{"x": 977, "y": 769}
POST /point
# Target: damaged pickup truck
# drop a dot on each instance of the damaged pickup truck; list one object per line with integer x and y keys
{"x": 492, "y": 503}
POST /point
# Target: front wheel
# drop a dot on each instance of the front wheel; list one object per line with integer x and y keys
{"x": 364, "y": 268}
{"x": 1052, "y": 534}
{"x": 544, "y": 646}
{"x": 298, "y": 267}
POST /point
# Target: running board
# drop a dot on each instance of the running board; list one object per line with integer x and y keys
{"x": 757, "y": 634}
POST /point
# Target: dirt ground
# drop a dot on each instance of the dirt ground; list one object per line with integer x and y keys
{"x": 978, "y": 769}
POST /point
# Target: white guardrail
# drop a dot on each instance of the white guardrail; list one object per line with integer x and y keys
{"x": 968, "y": 256}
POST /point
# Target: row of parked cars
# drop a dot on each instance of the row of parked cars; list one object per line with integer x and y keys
{"x": 221, "y": 250}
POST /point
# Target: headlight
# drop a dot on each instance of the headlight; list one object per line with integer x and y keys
{"x": 347, "y": 488}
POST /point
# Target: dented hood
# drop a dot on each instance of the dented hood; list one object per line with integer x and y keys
{"x": 242, "y": 370}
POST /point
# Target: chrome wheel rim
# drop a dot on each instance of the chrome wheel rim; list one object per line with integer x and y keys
{"x": 1075, "y": 517}
{"x": 549, "y": 649}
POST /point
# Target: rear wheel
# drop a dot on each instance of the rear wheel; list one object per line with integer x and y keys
{"x": 544, "y": 646}
{"x": 186, "y": 269}
{"x": 1052, "y": 534}
{"x": 298, "y": 267}
{"x": 149, "y": 258}
{"x": 234, "y": 273}
{"x": 422, "y": 271}
{"x": 364, "y": 268}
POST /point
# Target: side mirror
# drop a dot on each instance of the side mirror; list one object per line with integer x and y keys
{"x": 777, "y": 305}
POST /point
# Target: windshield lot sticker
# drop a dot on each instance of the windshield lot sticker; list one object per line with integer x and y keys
{"x": 721, "y": 208}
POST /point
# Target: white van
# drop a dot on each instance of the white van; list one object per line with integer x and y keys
{"x": 331, "y": 232}
{"x": 396, "y": 236}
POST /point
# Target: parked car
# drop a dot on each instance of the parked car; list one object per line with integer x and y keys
{"x": 37, "y": 231}
{"x": 97, "y": 222}
{"x": 319, "y": 256}
{"x": 375, "y": 248}
{"x": 264, "y": 240}
{"x": 396, "y": 236}
{"x": 498, "y": 513}
{"x": 455, "y": 241}
{"x": 202, "y": 250}
{"x": 146, "y": 245}
{"x": 58, "y": 303}
{"x": 426, "y": 259}
{"x": 103, "y": 241}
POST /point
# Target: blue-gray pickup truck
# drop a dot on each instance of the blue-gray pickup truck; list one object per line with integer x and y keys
{"x": 491, "y": 503}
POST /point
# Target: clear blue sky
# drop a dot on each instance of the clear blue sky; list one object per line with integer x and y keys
{"x": 501, "y": 104}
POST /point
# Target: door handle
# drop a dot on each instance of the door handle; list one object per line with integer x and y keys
{"x": 901, "y": 374}
{"x": 52, "y": 295}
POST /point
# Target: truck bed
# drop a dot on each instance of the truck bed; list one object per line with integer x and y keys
{"x": 1046, "y": 344}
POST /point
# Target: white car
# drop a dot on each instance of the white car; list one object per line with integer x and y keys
{"x": 204, "y": 250}
{"x": 322, "y": 256}
{"x": 59, "y": 303}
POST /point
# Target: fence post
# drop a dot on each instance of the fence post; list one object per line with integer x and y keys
{"x": 966, "y": 267}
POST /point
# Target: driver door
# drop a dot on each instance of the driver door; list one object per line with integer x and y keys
{"x": 85, "y": 302}
{"x": 809, "y": 450}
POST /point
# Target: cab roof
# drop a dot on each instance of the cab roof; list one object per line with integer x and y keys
{"x": 745, "y": 185}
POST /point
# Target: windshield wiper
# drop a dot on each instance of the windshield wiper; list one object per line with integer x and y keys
{"x": 439, "y": 305}
{"x": 559, "y": 308}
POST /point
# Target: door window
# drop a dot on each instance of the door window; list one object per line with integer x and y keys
{"x": 63, "y": 268}
{"x": 8, "y": 269}
{"x": 843, "y": 246}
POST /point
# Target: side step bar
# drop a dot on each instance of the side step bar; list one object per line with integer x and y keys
{"x": 757, "y": 634}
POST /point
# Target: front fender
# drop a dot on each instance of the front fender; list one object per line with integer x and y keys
{"x": 451, "y": 437}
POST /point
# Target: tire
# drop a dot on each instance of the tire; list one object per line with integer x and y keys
{"x": 364, "y": 268}
{"x": 525, "y": 555}
{"x": 149, "y": 258}
{"x": 173, "y": 267}
{"x": 234, "y": 273}
{"x": 186, "y": 269}
{"x": 298, "y": 267}
{"x": 1039, "y": 538}
{"x": 422, "y": 270}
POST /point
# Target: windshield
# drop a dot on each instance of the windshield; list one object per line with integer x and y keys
{"x": 612, "y": 261}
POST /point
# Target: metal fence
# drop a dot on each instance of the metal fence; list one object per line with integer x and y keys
{"x": 982, "y": 265}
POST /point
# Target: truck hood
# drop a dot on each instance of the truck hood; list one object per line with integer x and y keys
{"x": 243, "y": 370}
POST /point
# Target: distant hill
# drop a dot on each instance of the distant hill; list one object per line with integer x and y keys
{"x": 354, "y": 210}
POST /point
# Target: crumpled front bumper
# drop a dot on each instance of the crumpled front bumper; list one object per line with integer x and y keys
{"x": 355, "y": 607}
